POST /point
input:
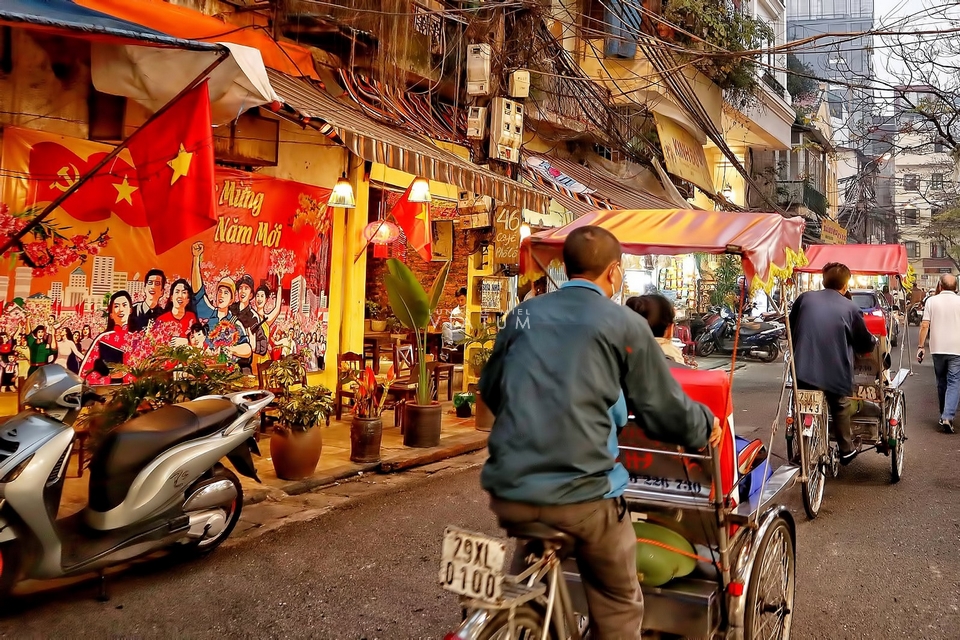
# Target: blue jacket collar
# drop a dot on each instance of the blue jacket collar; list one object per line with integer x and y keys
{"x": 583, "y": 284}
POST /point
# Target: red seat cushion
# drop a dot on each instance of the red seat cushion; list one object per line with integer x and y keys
{"x": 875, "y": 324}
{"x": 712, "y": 388}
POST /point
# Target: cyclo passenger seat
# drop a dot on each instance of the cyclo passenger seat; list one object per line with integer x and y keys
{"x": 541, "y": 534}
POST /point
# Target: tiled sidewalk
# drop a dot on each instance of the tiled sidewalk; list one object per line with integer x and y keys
{"x": 458, "y": 436}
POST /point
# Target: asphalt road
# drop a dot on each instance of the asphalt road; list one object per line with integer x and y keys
{"x": 881, "y": 561}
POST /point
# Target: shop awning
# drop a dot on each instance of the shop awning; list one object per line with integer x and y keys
{"x": 767, "y": 243}
{"x": 938, "y": 265}
{"x": 862, "y": 259}
{"x": 377, "y": 142}
{"x": 582, "y": 189}
{"x": 65, "y": 17}
{"x": 183, "y": 22}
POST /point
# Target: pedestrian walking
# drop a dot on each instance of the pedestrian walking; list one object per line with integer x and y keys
{"x": 941, "y": 320}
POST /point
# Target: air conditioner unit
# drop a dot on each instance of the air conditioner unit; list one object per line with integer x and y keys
{"x": 477, "y": 123}
{"x": 506, "y": 129}
{"x": 478, "y": 70}
{"x": 520, "y": 84}
{"x": 469, "y": 203}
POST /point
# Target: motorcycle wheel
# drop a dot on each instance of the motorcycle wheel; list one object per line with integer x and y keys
{"x": 705, "y": 346}
{"x": 203, "y": 546}
{"x": 773, "y": 352}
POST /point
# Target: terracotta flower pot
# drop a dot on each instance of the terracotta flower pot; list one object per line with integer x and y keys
{"x": 365, "y": 437}
{"x": 421, "y": 425}
{"x": 295, "y": 453}
{"x": 484, "y": 420}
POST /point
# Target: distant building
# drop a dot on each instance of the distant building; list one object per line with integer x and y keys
{"x": 56, "y": 292}
{"x": 23, "y": 278}
{"x": 119, "y": 281}
{"x": 102, "y": 283}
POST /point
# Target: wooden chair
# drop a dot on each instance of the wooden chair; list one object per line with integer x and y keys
{"x": 436, "y": 371}
{"x": 355, "y": 362}
{"x": 404, "y": 388}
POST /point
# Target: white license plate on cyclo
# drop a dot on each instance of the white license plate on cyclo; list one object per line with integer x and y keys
{"x": 810, "y": 402}
{"x": 471, "y": 565}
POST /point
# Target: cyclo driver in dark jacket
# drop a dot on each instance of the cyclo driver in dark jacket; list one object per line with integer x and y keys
{"x": 564, "y": 369}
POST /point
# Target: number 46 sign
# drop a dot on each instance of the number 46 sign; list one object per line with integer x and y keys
{"x": 506, "y": 229}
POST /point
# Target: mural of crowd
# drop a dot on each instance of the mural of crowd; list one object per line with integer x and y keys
{"x": 227, "y": 315}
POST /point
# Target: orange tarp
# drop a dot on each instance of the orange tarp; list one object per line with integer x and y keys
{"x": 182, "y": 22}
{"x": 766, "y": 242}
{"x": 863, "y": 259}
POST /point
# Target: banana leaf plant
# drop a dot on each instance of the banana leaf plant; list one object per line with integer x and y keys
{"x": 413, "y": 307}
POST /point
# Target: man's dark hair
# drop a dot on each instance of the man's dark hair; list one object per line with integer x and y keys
{"x": 589, "y": 250}
{"x": 462, "y": 291}
{"x": 156, "y": 272}
{"x": 835, "y": 276}
{"x": 657, "y": 310}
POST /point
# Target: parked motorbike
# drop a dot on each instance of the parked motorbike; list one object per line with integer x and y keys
{"x": 915, "y": 313}
{"x": 758, "y": 340}
{"x": 156, "y": 481}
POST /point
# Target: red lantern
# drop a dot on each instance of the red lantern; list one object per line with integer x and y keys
{"x": 380, "y": 234}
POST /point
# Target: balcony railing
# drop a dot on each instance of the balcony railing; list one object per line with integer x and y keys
{"x": 802, "y": 192}
{"x": 774, "y": 85}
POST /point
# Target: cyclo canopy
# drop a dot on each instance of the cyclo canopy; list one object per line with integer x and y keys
{"x": 861, "y": 259}
{"x": 767, "y": 243}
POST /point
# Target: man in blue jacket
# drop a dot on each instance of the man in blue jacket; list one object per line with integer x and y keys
{"x": 564, "y": 369}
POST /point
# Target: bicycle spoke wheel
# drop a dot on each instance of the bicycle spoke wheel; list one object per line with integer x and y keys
{"x": 770, "y": 595}
{"x": 814, "y": 446}
{"x": 897, "y": 436}
{"x": 528, "y": 624}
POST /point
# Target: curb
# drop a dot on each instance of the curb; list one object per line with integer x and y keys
{"x": 455, "y": 446}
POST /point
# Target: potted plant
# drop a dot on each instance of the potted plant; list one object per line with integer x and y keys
{"x": 463, "y": 403}
{"x": 373, "y": 314}
{"x": 297, "y": 439}
{"x": 366, "y": 428}
{"x": 414, "y": 307}
{"x": 483, "y": 340}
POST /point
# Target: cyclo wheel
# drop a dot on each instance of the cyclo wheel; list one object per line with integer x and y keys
{"x": 528, "y": 622}
{"x": 897, "y": 438}
{"x": 770, "y": 594}
{"x": 814, "y": 447}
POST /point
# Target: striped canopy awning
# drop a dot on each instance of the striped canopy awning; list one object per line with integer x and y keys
{"x": 378, "y": 142}
{"x": 68, "y": 18}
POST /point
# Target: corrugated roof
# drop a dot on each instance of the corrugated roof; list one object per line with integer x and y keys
{"x": 603, "y": 189}
{"x": 378, "y": 142}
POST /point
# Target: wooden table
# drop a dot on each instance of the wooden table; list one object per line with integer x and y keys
{"x": 376, "y": 340}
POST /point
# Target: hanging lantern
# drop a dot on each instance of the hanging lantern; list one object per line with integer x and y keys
{"x": 380, "y": 234}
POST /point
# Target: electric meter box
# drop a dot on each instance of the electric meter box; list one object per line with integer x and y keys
{"x": 506, "y": 129}
{"x": 477, "y": 123}
{"x": 478, "y": 69}
{"x": 520, "y": 84}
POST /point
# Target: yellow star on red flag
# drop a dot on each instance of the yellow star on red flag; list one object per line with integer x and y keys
{"x": 124, "y": 191}
{"x": 180, "y": 164}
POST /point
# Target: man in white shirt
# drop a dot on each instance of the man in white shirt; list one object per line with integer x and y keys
{"x": 538, "y": 289}
{"x": 453, "y": 331}
{"x": 941, "y": 319}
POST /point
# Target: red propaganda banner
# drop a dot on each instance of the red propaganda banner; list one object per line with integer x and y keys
{"x": 252, "y": 287}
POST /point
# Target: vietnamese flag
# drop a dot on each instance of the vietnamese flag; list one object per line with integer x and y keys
{"x": 173, "y": 154}
{"x": 414, "y": 219}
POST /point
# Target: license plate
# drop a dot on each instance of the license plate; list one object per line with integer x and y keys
{"x": 868, "y": 392}
{"x": 810, "y": 402}
{"x": 471, "y": 565}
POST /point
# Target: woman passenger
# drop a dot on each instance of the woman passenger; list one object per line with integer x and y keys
{"x": 660, "y": 315}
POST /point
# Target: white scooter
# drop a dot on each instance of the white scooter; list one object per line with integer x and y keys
{"x": 155, "y": 481}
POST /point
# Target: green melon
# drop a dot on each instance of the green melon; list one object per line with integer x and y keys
{"x": 657, "y": 566}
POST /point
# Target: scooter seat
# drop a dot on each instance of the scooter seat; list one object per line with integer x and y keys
{"x": 133, "y": 445}
{"x": 753, "y": 328}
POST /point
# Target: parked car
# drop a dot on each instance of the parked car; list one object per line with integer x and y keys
{"x": 872, "y": 303}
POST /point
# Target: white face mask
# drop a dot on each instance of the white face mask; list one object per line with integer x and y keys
{"x": 618, "y": 293}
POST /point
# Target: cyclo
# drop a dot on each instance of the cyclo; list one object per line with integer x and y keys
{"x": 716, "y": 548}
{"x": 879, "y": 403}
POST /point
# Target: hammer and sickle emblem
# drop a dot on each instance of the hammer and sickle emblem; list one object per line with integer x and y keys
{"x": 69, "y": 178}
